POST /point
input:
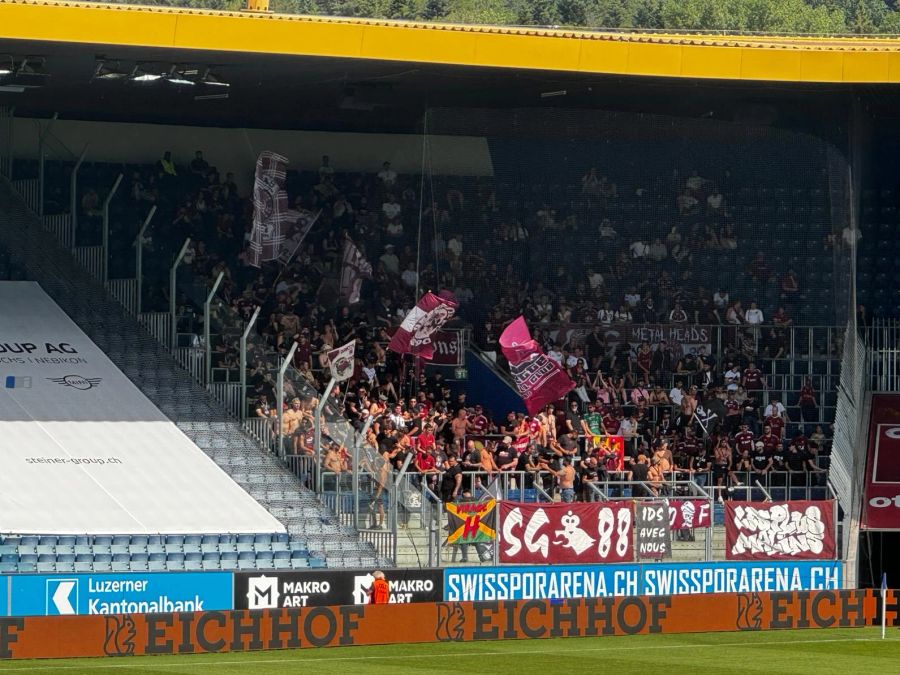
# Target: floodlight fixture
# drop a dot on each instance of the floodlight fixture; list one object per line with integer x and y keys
{"x": 108, "y": 71}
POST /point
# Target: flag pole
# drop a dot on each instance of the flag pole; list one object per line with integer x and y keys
{"x": 883, "y": 603}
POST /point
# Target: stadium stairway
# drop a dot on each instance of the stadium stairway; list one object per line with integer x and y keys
{"x": 173, "y": 390}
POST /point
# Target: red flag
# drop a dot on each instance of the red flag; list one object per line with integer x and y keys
{"x": 539, "y": 379}
{"x": 427, "y": 317}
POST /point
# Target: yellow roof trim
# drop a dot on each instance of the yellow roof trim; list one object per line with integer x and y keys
{"x": 733, "y": 57}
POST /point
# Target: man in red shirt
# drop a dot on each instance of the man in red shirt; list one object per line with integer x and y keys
{"x": 769, "y": 440}
{"x": 776, "y": 424}
{"x": 743, "y": 440}
{"x": 753, "y": 378}
{"x": 478, "y": 423}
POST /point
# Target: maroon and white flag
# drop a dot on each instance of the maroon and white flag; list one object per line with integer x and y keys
{"x": 426, "y": 318}
{"x": 341, "y": 361}
{"x": 272, "y": 216}
{"x": 539, "y": 379}
{"x": 798, "y": 530}
{"x": 354, "y": 268}
{"x": 596, "y": 532}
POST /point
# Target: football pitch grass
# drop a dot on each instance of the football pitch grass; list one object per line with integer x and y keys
{"x": 847, "y": 651}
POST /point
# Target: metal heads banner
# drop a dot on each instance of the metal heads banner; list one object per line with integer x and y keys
{"x": 472, "y": 522}
{"x": 292, "y": 628}
{"x": 798, "y": 530}
{"x": 654, "y": 538}
{"x": 596, "y": 532}
{"x": 318, "y": 588}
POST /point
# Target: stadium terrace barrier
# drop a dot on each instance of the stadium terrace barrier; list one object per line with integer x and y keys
{"x": 235, "y": 631}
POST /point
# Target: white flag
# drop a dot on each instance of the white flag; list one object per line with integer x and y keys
{"x": 340, "y": 361}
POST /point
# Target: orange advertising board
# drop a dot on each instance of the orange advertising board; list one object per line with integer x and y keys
{"x": 243, "y": 630}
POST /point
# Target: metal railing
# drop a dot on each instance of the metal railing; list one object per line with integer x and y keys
{"x": 883, "y": 338}
{"x": 60, "y": 226}
{"x": 159, "y": 325}
{"x": 126, "y": 292}
{"x": 91, "y": 259}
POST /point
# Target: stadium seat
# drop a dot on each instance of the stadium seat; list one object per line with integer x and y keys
{"x": 121, "y": 562}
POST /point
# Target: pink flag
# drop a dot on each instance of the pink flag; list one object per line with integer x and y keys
{"x": 539, "y": 379}
{"x": 427, "y": 317}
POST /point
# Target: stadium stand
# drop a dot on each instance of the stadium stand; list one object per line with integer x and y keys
{"x": 705, "y": 237}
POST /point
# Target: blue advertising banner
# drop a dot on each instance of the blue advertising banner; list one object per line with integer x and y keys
{"x": 129, "y": 593}
{"x": 550, "y": 583}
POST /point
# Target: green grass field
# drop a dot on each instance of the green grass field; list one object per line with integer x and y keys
{"x": 850, "y": 652}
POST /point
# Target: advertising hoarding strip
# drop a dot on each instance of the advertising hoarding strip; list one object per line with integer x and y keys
{"x": 234, "y": 631}
{"x": 543, "y": 582}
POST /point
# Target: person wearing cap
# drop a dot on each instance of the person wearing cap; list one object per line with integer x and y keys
{"x": 504, "y": 456}
{"x": 761, "y": 460}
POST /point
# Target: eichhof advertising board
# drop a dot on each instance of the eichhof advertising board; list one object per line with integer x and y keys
{"x": 328, "y": 588}
{"x": 131, "y": 593}
{"x": 563, "y": 582}
{"x": 423, "y": 622}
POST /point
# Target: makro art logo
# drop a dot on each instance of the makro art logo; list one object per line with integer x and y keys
{"x": 77, "y": 382}
{"x": 262, "y": 592}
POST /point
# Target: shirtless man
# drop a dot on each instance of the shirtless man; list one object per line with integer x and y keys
{"x": 566, "y": 476}
{"x": 459, "y": 425}
{"x": 290, "y": 421}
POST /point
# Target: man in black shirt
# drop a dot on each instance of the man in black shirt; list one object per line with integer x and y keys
{"x": 589, "y": 472}
{"x": 528, "y": 463}
{"x": 639, "y": 471}
{"x": 762, "y": 461}
{"x": 451, "y": 480}
{"x": 573, "y": 418}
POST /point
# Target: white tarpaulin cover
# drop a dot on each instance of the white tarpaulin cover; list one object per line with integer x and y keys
{"x": 83, "y": 451}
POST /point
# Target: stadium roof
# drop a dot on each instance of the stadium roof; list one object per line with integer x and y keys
{"x": 788, "y": 58}
{"x": 315, "y": 72}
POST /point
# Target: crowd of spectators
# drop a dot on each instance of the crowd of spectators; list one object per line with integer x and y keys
{"x": 491, "y": 251}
